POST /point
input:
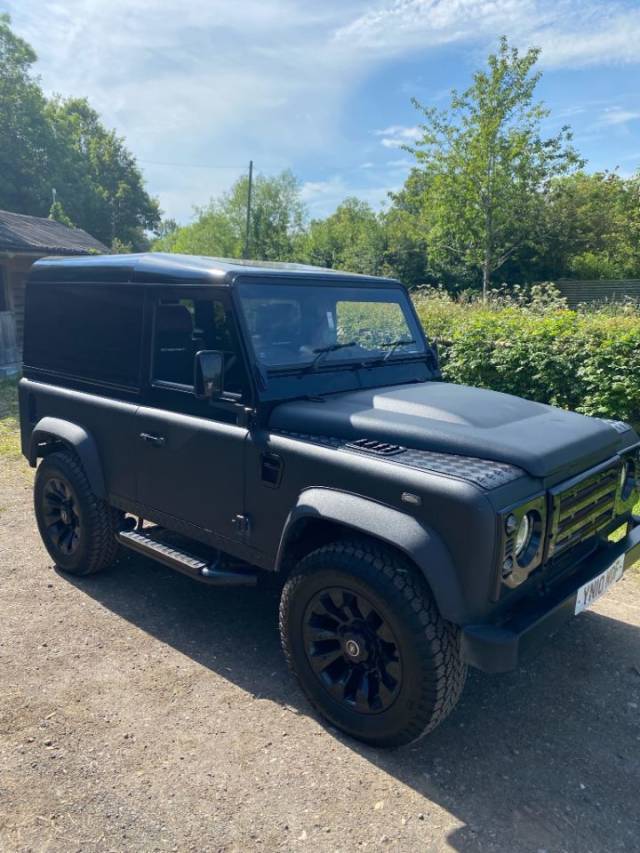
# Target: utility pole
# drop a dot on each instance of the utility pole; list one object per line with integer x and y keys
{"x": 247, "y": 236}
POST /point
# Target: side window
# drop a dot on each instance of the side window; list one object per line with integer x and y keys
{"x": 182, "y": 327}
{"x": 174, "y": 341}
{"x": 88, "y": 331}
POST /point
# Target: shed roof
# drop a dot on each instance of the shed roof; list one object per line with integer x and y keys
{"x": 35, "y": 235}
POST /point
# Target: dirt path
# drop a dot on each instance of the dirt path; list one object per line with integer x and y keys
{"x": 140, "y": 711}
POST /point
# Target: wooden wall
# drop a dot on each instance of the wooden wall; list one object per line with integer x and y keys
{"x": 15, "y": 272}
{"x": 9, "y": 357}
{"x": 598, "y": 291}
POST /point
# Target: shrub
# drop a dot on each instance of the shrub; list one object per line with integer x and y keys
{"x": 533, "y": 346}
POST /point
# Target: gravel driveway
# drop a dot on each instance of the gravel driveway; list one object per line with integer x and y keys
{"x": 141, "y": 711}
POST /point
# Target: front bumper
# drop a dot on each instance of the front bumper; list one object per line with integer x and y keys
{"x": 493, "y": 648}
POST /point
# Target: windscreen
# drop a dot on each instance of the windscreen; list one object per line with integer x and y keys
{"x": 320, "y": 324}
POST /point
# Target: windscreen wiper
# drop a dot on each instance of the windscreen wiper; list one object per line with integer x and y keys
{"x": 392, "y": 346}
{"x": 323, "y": 352}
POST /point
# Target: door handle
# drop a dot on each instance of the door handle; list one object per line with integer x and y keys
{"x": 155, "y": 440}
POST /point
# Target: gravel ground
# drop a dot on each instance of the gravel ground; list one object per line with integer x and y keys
{"x": 141, "y": 711}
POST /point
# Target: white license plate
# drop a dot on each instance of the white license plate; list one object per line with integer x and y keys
{"x": 597, "y": 587}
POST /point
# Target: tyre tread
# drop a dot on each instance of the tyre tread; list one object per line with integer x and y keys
{"x": 101, "y": 518}
{"x": 440, "y": 689}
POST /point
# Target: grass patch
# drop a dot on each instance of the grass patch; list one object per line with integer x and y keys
{"x": 9, "y": 426}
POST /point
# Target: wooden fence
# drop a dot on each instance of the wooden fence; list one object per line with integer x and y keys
{"x": 603, "y": 290}
{"x": 9, "y": 357}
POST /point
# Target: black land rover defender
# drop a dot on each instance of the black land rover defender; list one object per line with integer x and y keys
{"x": 224, "y": 417}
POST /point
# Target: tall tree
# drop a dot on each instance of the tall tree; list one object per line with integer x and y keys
{"x": 277, "y": 220}
{"x": 488, "y": 164}
{"x": 351, "y": 239}
{"x": 98, "y": 179}
{"x": 593, "y": 226}
{"x": 63, "y": 144}
{"x": 26, "y": 136}
{"x": 406, "y": 252}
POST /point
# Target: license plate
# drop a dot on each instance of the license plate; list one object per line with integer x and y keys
{"x": 597, "y": 587}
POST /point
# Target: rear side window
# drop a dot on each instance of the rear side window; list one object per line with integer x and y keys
{"x": 91, "y": 331}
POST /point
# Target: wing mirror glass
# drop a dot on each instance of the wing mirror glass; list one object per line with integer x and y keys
{"x": 209, "y": 374}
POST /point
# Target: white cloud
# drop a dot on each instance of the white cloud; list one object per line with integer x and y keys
{"x": 208, "y": 82}
{"x": 216, "y": 83}
{"x": 397, "y": 135}
{"x": 570, "y": 32}
{"x": 322, "y": 197}
{"x": 618, "y": 116}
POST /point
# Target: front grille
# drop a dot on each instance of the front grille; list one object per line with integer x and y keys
{"x": 582, "y": 508}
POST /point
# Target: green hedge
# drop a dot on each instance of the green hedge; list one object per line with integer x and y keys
{"x": 588, "y": 362}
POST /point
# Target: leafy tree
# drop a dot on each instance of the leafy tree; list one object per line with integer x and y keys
{"x": 406, "y": 253}
{"x": 25, "y": 135}
{"x": 593, "y": 226}
{"x": 166, "y": 228}
{"x": 277, "y": 220}
{"x": 99, "y": 179}
{"x": 57, "y": 213}
{"x": 352, "y": 238}
{"x": 487, "y": 165}
{"x": 62, "y": 143}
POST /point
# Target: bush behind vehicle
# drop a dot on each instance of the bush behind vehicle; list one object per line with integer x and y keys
{"x": 528, "y": 343}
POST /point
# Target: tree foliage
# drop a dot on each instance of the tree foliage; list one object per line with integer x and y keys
{"x": 26, "y": 137}
{"x": 219, "y": 229}
{"x": 352, "y": 238}
{"x": 593, "y": 226}
{"x": 487, "y": 166}
{"x": 62, "y": 144}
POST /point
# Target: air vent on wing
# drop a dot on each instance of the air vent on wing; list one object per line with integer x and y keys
{"x": 379, "y": 448}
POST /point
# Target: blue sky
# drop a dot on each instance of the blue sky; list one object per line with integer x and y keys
{"x": 199, "y": 87}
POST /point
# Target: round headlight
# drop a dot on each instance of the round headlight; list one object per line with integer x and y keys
{"x": 523, "y": 535}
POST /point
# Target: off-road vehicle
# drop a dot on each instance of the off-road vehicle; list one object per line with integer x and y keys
{"x": 228, "y": 418}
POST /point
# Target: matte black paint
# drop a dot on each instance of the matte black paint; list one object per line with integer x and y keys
{"x": 471, "y": 454}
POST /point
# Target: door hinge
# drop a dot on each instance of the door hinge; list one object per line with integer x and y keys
{"x": 241, "y": 524}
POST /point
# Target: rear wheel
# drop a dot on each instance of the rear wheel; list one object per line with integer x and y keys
{"x": 78, "y": 529}
{"x": 363, "y": 636}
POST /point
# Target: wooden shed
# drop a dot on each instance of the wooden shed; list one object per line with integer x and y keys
{"x": 24, "y": 239}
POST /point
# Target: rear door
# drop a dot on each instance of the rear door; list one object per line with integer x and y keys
{"x": 191, "y": 452}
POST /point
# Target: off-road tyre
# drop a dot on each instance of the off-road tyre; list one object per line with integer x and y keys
{"x": 432, "y": 670}
{"x": 96, "y": 523}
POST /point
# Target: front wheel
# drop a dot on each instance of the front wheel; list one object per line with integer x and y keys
{"x": 364, "y": 638}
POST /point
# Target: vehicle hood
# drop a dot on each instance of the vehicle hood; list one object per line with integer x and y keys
{"x": 458, "y": 419}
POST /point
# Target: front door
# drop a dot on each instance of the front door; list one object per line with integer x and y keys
{"x": 192, "y": 452}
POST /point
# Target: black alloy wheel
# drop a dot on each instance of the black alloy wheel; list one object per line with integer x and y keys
{"x": 352, "y": 650}
{"x": 61, "y": 516}
{"x": 362, "y": 634}
{"x": 77, "y": 528}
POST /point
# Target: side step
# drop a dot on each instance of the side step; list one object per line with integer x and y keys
{"x": 195, "y": 567}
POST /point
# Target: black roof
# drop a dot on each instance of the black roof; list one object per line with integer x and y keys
{"x": 163, "y": 268}
{"x": 32, "y": 234}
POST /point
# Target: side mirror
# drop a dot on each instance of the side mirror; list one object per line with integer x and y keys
{"x": 208, "y": 378}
